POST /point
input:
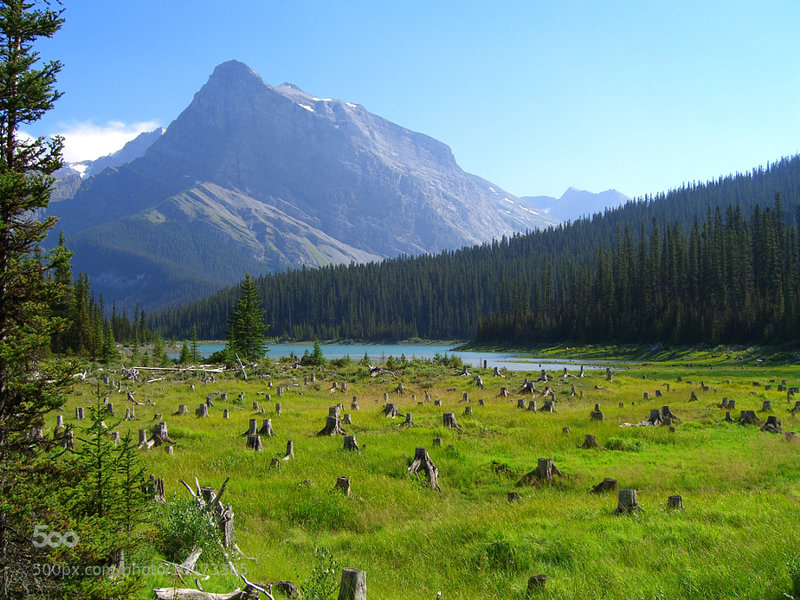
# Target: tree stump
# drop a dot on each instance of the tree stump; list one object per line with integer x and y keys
{"x": 225, "y": 414}
{"x": 59, "y": 421}
{"x": 252, "y": 428}
{"x": 582, "y": 373}
{"x": 544, "y": 472}
{"x": 748, "y": 417}
{"x": 655, "y": 417}
{"x": 549, "y": 406}
{"x": 796, "y": 408}
{"x": 160, "y": 435}
{"x": 728, "y": 416}
{"x": 351, "y": 444}
{"x": 503, "y": 392}
{"x": 266, "y": 428}
{"x": 276, "y": 463}
{"x": 202, "y": 410}
{"x": 332, "y": 427}
{"x": 791, "y": 436}
{"x": 280, "y": 391}
{"x": 773, "y": 425}
{"x": 254, "y": 442}
{"x": 347, "y": 420}
{"x": 334, "y": 411}
{"x": 423, "y": 462}
{"x": 449, "y": 420}
{"x": 666, "y": 413}
{"x": 527, "y": 388}
{"x": 343, "y": 485}
{"x": 391, "y": 410}
{"x": 693, "y": 397}
{"x": 182, "y": 410}
{"x": 115, "y": 437}
{"x": 609, "y": 375}
{"x": 289, "y": 450}
{"x": 658, "y": 394}
{"x": 766, "y": 406}
{"x": 590, "y": 441}
{"x": 437, "y": 441}
{"x": 255, "y": 406}
{"x": 354, "y": 403}
{"x": 409, "y": 422}
{"x": 573, "y": 392}
{"x": 675, "y": 502}
{"x": 467, "y": 411}
{"x": 607, "y": 485}
{"x": 532, "y": 405}
{"x": 278, "y": 408}
{"x": 521, "y": 403}
{"x": 724, "y": 403}
{"x": 536, "y": 583}
{"x": 479, "y": 382}
{"x": 110, "y": 409}
{"x": 628, "y": 502}
{"x": 596, "y": 414}
{"x": 400, "y": 389}
{"x": 437, "y": 402}
{"x": 353, "y": 585}
{"x": 79, "y": 413}
{"x": 543, "y": 376}
{"x": 645, "y": 396}
{"x": 565, "y": 430}
{"x": 465, "y": 397}
{"x": 480, "y": 402}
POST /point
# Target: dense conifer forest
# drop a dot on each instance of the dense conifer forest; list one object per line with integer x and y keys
{"x": 714, "y": 262}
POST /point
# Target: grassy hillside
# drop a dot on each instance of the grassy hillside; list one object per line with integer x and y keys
{"x": 740, "y": 486}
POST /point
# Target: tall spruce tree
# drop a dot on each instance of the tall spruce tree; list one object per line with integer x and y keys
{"x": 29, "y": 385}
{"x": 246, "y": 323}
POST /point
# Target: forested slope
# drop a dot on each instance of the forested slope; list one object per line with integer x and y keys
{"x": 707, "y": 262}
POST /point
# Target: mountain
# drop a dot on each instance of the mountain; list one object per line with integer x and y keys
{"x": 129, "y": 152}
{"x": 574, "y": 204}
{"x": 251, "y": 176}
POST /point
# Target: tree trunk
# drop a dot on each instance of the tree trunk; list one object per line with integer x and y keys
{"x": 607, "y": 485}
{"x": 254, "y": 442}
{"x": 202, "y": 410}
{"x": 449, "y": 420}
{"x": 544, "y": 472}
{"x": 409, "y": 422}
{"x": 354, "y": 403}
{"x": 351, "y": 444}
{"x": 252, "y": 429}
{"x": 332, "y": 427}
{"x": 390, "y": 410}
{"x": 503, "y": 392}
{"x": 266, "y": 428}
{"x": 353, "y": 585}
{"x": 628, "y": 502}
{"x": 521, "y": 403}
{"x": 423, "y": 462}
{"x": 549, "y": 406}
{"x": 278, "y": 408}
{"x": 532, "y": 405}
{"x": 289, "y": 450}
{"x": 182, "y": 410}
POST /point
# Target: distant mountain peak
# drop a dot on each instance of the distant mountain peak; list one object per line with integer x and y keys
{"x": 234, "y": 68}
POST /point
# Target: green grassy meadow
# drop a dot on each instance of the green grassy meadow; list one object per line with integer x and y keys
{"x": 740, "y": 487}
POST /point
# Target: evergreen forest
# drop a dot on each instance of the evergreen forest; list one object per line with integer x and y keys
{"x": 714, "y": 262}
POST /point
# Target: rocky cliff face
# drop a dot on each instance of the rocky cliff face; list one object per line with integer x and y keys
{"x": 280, "y": 179}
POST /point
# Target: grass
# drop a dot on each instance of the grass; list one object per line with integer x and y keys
{"x": 739, "y": 530}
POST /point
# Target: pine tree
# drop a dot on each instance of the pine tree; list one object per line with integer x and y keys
{"x": 194, "y": 354}
{"x": 246, "y": 323}
{"x": 29, "y": 386}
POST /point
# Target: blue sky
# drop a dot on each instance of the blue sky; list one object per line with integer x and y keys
{"x": 534, "y": 96}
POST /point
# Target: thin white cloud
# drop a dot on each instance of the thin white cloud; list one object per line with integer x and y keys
{"x": 88, "y": 141}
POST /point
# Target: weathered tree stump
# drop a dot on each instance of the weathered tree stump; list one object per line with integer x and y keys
{"x": 655, "y": 417}
{"x": 278, "y": 408}
{"x": 334, "y": 387}
{"x": 115, "y": 437}
{"x": 68, "y": 440}
{"x": 659, "y": 394}
{"x": 543, "y": 376}
{"x": 437, "y": 402}
{"x": 170, "y": 450}
{"x": 160, "y": 435}
{"x": 79, "y": 413}
{"x": 607, "y": 485}
{"x": 645, "y": 396}
{"x": 351, "y": 444}
{"x": 544, "y": 472}
{"x": 465, "y": 397}
{"x": 391, "y": 410}
{"x": 724, "y": 403}
{"x": 354, "y": 403}
{"x": 110, "y": 408}
{"x": 693, "y": 397}
{"x": 280, "y": 391}
{"x": 796, "y": 408}
{"x": 343, "y": 485}
{"x": 728, "y": 416}
{"x": 254, "y": 442}
{"x": 565, "y": 430}
{"x": 182, "y": 410}
{"x": 334, "y": 411}
{"x": 332, "y": 427}
{"x": 226, "y": 414}
{"x": 409, "y": 422}
{"x": 275, "y": 463}
{"x": 528, "y": 387}
{"x": 573, "y": 392}
{"x": 503, "y": 392}
{"x": 496, "y": 372}
{"x": 480, "y": 402}
{"x": 748, "y": 417}
{"x": 347, "y": 420}
{"x": 521, "y": 403}
{"x": 479, "y": 382}
{"x": 583, "y": 372}
{"x": 266, "y": 428}
{"x": 549, "y": 406}
{"x": 202, "y": 410}
{"x": 532, "y": 405}
{"x": 666, "y": 413}
{"x": 791, "y": 436}
{"x": 289, "y": 450}
{"x": 536, "y": 583}
{"x": 675, "y": 502}
{"x": 597, "y": 414}
{"x": 399, "y": 389}
{"x": 766, "y": 406}
{"x": 590, "y": 441}
{"x": 467, "y": 411}
{"x": 773, "y": 425}
{"x": 255, "y": 407}
{"x": 449, "y": 420}
{"x": 628, "y": 502}
{"x": 423, "y": 462}
{"x": 609, "y": 374}
{"x": 353, "y": 585}
{"x": 252, "y": 428}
